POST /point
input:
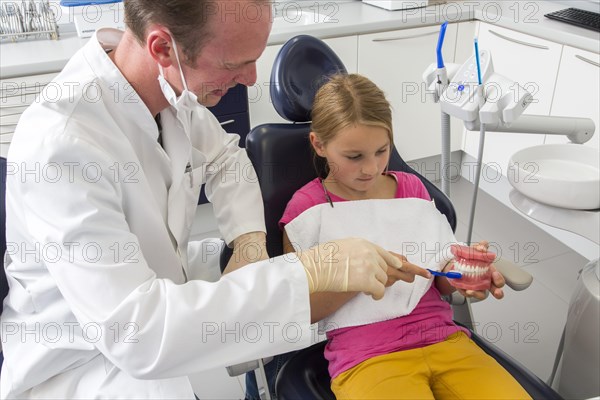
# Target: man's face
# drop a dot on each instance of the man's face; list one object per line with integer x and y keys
{"x": 239, "y": 32}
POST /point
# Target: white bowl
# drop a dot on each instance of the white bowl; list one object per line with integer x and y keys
{"x": 560, "y": 175}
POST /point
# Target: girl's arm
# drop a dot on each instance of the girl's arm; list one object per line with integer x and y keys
{"x": 325, "y": 303}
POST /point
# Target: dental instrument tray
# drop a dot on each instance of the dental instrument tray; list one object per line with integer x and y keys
{"x": 576, "y": 16}
{"x": 30, "y": 19}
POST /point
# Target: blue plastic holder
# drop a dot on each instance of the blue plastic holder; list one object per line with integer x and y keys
{"x": 440, "y": 58}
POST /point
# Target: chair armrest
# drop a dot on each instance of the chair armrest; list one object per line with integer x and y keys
{"x": 242, "y": 368}
{"x": 516, "y": 278}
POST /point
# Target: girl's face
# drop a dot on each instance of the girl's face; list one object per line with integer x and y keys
{"x": 357, "y": 156}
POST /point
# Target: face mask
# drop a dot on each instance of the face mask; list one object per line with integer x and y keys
{"x": 185, "y": 103}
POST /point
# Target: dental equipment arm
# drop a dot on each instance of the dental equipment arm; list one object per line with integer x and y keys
{"x": 441, "y": 85}
{"x": 578, "y": 130}
{"x": 437, "y": 80}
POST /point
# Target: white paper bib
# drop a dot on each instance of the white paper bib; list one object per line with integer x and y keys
{"x": 411, "y": 227}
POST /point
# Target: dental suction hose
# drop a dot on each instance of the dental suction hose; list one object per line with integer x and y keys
{"x": 479, "y": 97}
{"x": 445, "y": 153}
{"x": 479, "y": 166}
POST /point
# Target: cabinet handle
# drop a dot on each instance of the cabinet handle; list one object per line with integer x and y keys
{"x": 10, "y": 114}
{"x": 405, "y": 37}
{"x": 231, "y": 121}
{"x": 587, "y": 60}
{"x": 13, "y": 109}
{"x": 537, "y": 46}
{"x": 20, "y": 94}
{"x": 38, "y": 86}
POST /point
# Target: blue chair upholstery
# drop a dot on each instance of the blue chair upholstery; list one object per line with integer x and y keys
{"x": 3, "y": 282}
{"x": 282, "y": 158}
{"x": 281, "y": 153}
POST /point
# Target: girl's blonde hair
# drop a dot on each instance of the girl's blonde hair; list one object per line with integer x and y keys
{"x": 345, "y": 101}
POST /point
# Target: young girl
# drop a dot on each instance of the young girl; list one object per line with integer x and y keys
{"x": 408, "y": 347}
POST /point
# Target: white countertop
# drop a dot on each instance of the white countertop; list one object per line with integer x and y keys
{"x": 346, "y": 18}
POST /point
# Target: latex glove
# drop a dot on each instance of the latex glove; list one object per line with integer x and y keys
{"x": 348, "y": 265}
{"x": 407, "y": 273}
{"x": 247, "y": 248}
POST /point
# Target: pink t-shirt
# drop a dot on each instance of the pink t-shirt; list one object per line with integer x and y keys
{"x": 430, "y": 322}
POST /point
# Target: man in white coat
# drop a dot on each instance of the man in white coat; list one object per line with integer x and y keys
{"x": 101, "y": 191}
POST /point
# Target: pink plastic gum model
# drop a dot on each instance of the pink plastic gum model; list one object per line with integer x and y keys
{"x": 474, "y": 265}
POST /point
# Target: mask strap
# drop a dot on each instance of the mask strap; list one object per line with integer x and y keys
{"x": 179, "y": 63}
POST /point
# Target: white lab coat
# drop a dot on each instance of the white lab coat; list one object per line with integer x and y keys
{"x": 98, "y": 220}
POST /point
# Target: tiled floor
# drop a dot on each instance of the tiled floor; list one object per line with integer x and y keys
{"x": 527, "y": 325}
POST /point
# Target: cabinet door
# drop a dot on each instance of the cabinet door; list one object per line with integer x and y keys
{"x": 576, "y": 93}
{"x": 395, "y": 61}
{"x": 533, "y": 64}
{"x": 261, "y": 107}
{"x": 16, "y": 94}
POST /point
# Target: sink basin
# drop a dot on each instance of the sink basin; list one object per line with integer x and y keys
{"x": 560, "y": 175}
{"x": 300, "y": 17}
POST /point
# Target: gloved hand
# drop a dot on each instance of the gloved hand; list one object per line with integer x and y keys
{"x": 348, "y": 265}
{"x": 248, "y": 248}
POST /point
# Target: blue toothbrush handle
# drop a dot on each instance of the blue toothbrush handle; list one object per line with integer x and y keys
{"x": 449, "y": 275}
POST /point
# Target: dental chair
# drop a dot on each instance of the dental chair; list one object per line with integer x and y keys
{"x": 282, "y": 157}
{"x": 3, "y": 281}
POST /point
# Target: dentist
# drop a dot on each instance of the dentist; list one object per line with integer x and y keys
{"x": 102, "y": 187}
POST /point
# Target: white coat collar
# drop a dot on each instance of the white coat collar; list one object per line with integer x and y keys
{"x": 139, "y": 118}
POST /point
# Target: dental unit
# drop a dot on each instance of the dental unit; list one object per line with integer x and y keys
{"x": 485, "y": 100}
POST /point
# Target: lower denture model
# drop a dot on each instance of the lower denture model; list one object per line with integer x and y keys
{"x": 474, "y": 265}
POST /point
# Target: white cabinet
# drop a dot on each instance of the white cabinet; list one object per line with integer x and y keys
{"x": 577, "y": 91}
{"x": 532, "y": 63}
{"x": 261, "y": 107}
{"x": 16, "y": 94}
{"x": 395, "y": 61}
{"x": 464, "y": 41}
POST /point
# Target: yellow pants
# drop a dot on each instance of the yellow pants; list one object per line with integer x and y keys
{"x": 453, "y": 369}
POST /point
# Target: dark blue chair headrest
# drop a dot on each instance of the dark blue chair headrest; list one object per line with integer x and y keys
{"x": 302, "y": 65}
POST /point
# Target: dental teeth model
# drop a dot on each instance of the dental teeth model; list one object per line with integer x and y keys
{"x": 474, "y": 265}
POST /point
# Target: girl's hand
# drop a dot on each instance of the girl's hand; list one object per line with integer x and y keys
{"x": 495, "y": 289}
{"x": 481, "y": 246}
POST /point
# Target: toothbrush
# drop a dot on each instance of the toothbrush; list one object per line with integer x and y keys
{"x": 449, "y": 275}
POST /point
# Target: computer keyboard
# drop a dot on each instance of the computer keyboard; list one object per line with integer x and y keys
{"x": 576, "y": 16}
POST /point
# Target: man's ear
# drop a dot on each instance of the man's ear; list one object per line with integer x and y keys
{"x": 317, "y": 144}
{"x": 159, "y": 44}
